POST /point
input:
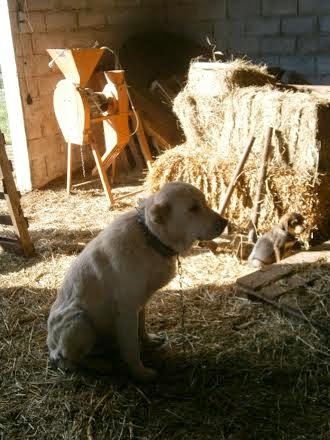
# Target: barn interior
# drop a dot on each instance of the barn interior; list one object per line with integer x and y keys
{"x": 101, "y": 103}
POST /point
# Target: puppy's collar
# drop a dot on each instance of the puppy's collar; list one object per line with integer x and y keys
{"x": 151, "y": 239}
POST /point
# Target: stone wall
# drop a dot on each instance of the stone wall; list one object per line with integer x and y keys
{"x": 292, "y": 34}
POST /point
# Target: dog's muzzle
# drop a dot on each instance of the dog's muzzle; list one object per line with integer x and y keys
{"x": 221, "y": 223}
{"x": 215, "y": 228}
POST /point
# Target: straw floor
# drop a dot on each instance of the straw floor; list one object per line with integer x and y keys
{"x": 230, "y": 369}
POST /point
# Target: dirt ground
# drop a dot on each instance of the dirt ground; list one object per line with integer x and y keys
{"x": 230, "y": 369}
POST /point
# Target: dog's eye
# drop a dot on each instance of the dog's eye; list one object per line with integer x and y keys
{"x": 194, "y": 208}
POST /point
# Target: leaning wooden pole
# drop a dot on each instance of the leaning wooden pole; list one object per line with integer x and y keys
{"x": 261, "y": 180}
{"x": 236, "y": 175}
{"x": 12, "y": 196}
{"x": 210, "y": 244}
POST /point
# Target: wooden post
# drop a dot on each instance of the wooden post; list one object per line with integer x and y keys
{"x": 102, "y": 173}
{"x": 236, "y": 174}
{"x": 113, "y": 169}
{"x": 137, "y": 155}
{"x": 143, "y": 141}
{"x": 69, "y": 169}
{"x": 252, "y": 236}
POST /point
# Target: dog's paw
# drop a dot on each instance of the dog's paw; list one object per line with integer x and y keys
{"x": 152, "y": 340}
{"x": 62, "y": 364}
{"x": 145, "y": 375}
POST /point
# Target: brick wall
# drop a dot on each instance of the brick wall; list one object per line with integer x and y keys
{"x": 293, "y": 34}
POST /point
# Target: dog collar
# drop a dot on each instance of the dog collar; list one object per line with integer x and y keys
{"x": 151, "y": 239}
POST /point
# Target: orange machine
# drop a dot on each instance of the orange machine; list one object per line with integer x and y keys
{"x": 78, "y": 108}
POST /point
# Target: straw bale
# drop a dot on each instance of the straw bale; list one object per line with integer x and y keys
{"x": 223, "y": 103}
{"x": 285, "y": 189}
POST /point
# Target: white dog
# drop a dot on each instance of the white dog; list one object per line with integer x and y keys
{"x": 108, "y": 285}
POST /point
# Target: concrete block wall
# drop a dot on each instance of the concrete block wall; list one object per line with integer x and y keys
{"x": 292, "y": 34}
{"x": 57, "y": 24}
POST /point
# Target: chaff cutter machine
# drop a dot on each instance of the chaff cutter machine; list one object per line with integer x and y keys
{"x": 78, "y": 108}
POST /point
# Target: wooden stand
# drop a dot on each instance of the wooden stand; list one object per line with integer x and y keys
{"x": 109, "y": 158}
{"x": 78, "y": 127}
{"x": 16, "y": 217}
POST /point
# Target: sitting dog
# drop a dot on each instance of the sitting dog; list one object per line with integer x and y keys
{"x": 108, "y": 285}
{"x": 271, "y": 247}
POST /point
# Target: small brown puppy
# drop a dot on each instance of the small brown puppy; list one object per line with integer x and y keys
{"x": 271, "y": 247}
{"x": 104, "y": 294}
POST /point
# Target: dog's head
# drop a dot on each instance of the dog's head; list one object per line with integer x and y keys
{"x": 293, "y": 223}
{"x": 178, "y": 215}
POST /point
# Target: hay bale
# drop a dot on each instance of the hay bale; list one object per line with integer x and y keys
{"x": 285, "y": 188}
{"x": 223, "y": 103}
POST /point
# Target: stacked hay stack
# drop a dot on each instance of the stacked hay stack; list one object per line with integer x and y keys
{"x": 223, "y": 104}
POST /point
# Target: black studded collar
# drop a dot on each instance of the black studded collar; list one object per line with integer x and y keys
{"x": 151, "y": 239}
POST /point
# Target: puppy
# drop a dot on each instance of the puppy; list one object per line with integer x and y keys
{"x": 104, "y": 293}
{"x": 272, "y": 246}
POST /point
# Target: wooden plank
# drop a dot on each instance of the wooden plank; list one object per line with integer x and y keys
{"x": 167, "y": 89}
{"x": 272, "y": 273}
{"x": 6, "y": 220}
{"x": 152, "y": 132}
{"x": 137, "y": 155}
{"x": 287, "y": 284}
{"x": 159, "y": 121}
{"x": 144, "y": 143}
{"x": 261, "y": 278}
{"x": 307, "y": 257}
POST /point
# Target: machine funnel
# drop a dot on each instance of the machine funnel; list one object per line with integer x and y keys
{"x": 77, "y": 65}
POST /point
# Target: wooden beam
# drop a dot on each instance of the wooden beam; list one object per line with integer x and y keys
{"x": 258, "y": 280}
{"x": 103, "y": 175}
{"x": 143, "y": 142}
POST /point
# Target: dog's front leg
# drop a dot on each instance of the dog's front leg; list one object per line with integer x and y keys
{"x": 146, "y": 338}
{"x": 277, "y": 254}
{"x": 128, "y": 340}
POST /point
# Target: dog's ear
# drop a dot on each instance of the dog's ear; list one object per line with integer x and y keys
{"x": 284, "y": 222}
{"x": 141, "y": 203}
{"x": 159, "y": 212}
